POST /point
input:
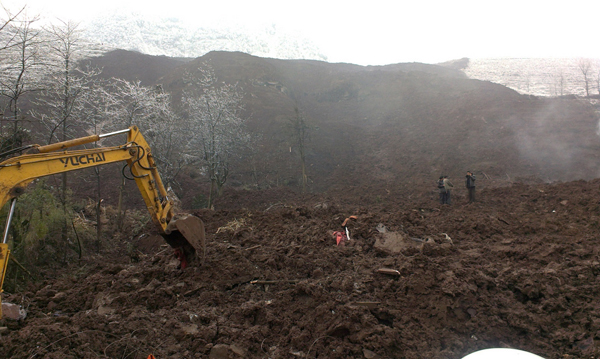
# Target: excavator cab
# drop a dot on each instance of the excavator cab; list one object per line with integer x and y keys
{"x": 183, "y": 232}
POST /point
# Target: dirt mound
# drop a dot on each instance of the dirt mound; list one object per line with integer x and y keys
{"x": 517, "y": 269}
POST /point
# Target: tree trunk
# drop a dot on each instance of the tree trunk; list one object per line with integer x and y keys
{"x": 120, "y": 205}
{"x": 210, "y": 194}
{"x": 63, "y": 199}
{"x": 303, "y": 166}
{"x": 98, "y": 208}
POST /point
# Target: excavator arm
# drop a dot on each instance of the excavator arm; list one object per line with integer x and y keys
{"x": 185, "y": 234}
{"x": 17, "y": 172}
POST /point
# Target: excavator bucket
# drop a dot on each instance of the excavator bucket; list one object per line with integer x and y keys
{"x": 186, "y": 235}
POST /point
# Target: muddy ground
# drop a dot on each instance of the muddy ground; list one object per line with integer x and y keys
{"x": 520, "y": 268}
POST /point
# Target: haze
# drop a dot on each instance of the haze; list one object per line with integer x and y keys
{"x": 381, "y": 32}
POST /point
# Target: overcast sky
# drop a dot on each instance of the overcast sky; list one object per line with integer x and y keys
{"x": 382, "y": 32}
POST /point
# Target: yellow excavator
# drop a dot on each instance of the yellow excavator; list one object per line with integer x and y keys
{"x": 184, "y": 233}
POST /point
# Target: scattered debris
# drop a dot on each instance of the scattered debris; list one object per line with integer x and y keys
{"x": 233, "y": 226}
{"x": 297, "y": 353}
{"x": 340, "y": 237}
{"x": 293, "y": 281}
{"x": 13, "y": 311}
{"x": 447, "y": 237}
{"x": 503, "y": 221}
{"x": 388, "y": 271}
{"x": 322, "y": 205}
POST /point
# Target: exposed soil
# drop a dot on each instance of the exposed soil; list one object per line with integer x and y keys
{"x": 520, "y": 268}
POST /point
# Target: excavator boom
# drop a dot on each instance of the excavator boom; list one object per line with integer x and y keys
{"x": 185, "y": 234}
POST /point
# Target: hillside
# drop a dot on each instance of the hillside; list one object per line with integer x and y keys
{"x": 394, "y": 125}
{"x": 134, "y": 66}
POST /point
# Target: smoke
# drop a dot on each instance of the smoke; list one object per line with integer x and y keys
{"x": 558, "y": 140}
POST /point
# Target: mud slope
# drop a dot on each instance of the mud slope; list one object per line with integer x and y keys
{"x": 519, "y": 269}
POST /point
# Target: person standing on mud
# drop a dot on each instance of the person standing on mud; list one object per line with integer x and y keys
{"x": 447, "y": 186}
{"x": 470, "y": 183}
{"x": 442, "y": 190}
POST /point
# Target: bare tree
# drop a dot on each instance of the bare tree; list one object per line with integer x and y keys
{"x": 299, "y": 131}
{"x": 66, "y": 82}
{"x": 150, "y": 109}
{"x": 7, "y": 38}
{"x": 585, "y": 66}
{"x": 598, "y": 81}
{"x": 18, "y": 60}
{"x": 20, "y": 73}
{"x": 95, "y": 108}
{"x": 168, "y": 139}
{"x": 214, "y": 110}
{"x": 559, "y": 82}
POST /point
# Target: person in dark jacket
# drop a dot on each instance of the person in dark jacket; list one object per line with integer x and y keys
{"x": 442, "y": 190}
{"x": 470, "y": 183}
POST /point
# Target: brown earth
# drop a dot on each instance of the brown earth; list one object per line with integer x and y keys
{"x": 520, "y": 268}
{"x": 516, "y": 269}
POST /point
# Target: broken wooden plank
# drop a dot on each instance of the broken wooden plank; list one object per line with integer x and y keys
{"x": 275, "y": 281}
{"x": 193, "y": 291}
{"x": 503, "y": 221}
{"x": 388, "y": 271}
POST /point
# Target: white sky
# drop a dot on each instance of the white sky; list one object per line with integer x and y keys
{"x": 380, "y": 32}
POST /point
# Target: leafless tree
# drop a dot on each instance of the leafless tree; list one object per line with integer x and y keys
{"x": 21, "y": 71}
{"x": 299, "y": 131}
{"x": 218, "y": 129}
{"x": 65, "y": 83}
{"x": 559, "y": 82}
{"x": 598, "y": 81}
{"x": 18, "y": 75}
{"x": 95, "y": 108}
{"x": 7, "y": 38}
{"x": 585, "y": 66}
{"x": 150, "y": 109}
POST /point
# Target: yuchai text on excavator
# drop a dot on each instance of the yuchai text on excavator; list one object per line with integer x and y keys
{"x": 185, "y": 233}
